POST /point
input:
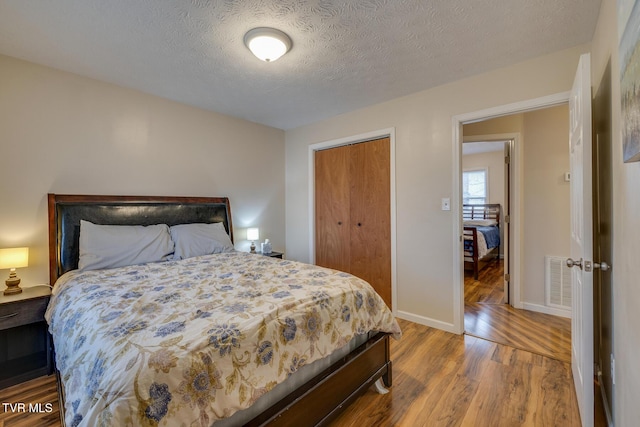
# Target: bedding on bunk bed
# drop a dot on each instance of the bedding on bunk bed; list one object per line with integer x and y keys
{"x": 192, "y": 341}
{"x": 488, "y": 238}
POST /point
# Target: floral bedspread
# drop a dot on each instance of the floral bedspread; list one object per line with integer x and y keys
{"x": 193, "y": 341}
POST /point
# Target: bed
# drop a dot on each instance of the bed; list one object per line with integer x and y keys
{"x": 227, "y": 338}
{"x": 481, "y": 233}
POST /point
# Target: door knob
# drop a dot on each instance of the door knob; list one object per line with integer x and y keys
{"x": 602, "y": 266}
{"x": 572, "y": 263}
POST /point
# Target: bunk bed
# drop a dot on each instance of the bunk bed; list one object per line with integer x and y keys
{"x": 481, "y": 235}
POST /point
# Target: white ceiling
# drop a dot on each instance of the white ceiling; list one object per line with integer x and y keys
{"x": 346, "y": 54}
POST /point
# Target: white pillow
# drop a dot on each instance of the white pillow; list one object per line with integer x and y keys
{"x": 480, "y": 222}
{"x": 110, "y": 246}
{"x": 200, "y": 239}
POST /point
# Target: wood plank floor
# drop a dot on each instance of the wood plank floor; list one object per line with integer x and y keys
{"x": 443, "y": 379}
{"x": 487, "y": 317}
{"x": 41, "y": 391}
{"x": 440, "y": 379}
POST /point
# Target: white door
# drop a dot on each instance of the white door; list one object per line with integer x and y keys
{"x": 581, "y": 240}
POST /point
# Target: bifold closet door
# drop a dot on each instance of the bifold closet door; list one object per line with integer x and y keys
{"x": 332, "y": 201}
{"x": 353, "y": 212}
{"x": 370, "y": 253}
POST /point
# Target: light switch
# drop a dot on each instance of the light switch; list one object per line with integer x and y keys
{"x": 446, "y": 204}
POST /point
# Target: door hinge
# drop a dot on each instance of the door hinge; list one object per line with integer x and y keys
{"x": 507, "y": 219}
{"x": 507, "y": 277}
{"x": 507, "y": 160}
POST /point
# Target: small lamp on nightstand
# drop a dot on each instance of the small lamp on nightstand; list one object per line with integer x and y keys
{"x": 253, "y": 234}
{"x": 13, "y": 258}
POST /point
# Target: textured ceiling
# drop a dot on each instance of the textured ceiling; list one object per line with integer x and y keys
{"x": 346, "y": 54}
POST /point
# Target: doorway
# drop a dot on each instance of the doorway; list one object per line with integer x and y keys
{"x": 543, "y": 193}
{"x": 486, "y": 189}
{"x": 516, "y": 259}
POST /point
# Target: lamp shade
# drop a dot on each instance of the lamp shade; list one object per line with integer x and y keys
{"x": 253, "y": 234}
{"x": 267, "y": 44}
{"x": 14, "y": 258}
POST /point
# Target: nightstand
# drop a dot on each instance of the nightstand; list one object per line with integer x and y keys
{"x": 272, "y": 254}
{"x": 25, "y": 343}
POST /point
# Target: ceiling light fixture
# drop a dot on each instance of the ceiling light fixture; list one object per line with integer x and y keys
{"x": 268, "y": 44}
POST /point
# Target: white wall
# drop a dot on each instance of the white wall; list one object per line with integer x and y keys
{"x": 546, "y": 213}
{"x": 63, "y": 133}
{"x": 626, "y": 231}
{"x": 424, "y": 157}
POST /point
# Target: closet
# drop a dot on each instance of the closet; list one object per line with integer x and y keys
{"x": 353, "y": 211}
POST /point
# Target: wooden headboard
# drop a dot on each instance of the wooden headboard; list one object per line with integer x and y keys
{"x": 486, "y": 211}
{"x": 66, "y": 211}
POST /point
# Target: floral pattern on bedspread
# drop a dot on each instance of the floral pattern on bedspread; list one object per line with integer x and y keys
{"x": 192, "y": 341}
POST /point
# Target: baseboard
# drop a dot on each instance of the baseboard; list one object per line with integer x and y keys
{"x": 547, "y": 310}
{"x": 427, "y": 321}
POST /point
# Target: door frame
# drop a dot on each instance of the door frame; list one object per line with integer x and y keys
{"x": 456, "y": 196}
{"x": 363, "y": 137}
{"x": 515, "y": 178}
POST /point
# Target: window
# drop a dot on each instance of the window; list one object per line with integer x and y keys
{"x": 474, "y": 187}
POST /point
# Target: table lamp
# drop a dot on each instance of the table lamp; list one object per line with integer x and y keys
{"x": 13, "y": 258}
{"x": 253, "y": 234}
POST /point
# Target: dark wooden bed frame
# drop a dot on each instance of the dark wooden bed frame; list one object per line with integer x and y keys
{"x": 485, "y": 211}
{"x": 316, "y": 402}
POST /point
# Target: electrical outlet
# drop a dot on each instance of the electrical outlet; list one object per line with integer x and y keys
{"x": 446, "y": 204}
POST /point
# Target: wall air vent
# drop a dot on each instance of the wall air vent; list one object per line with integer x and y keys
{"x": 557, "y": 283}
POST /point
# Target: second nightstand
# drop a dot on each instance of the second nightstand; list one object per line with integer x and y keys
{"x": 25, "y": 343}
{"x": 273, "y": 254}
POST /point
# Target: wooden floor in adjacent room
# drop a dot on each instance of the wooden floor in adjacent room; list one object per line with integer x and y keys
{"x": 487, "y": 316}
